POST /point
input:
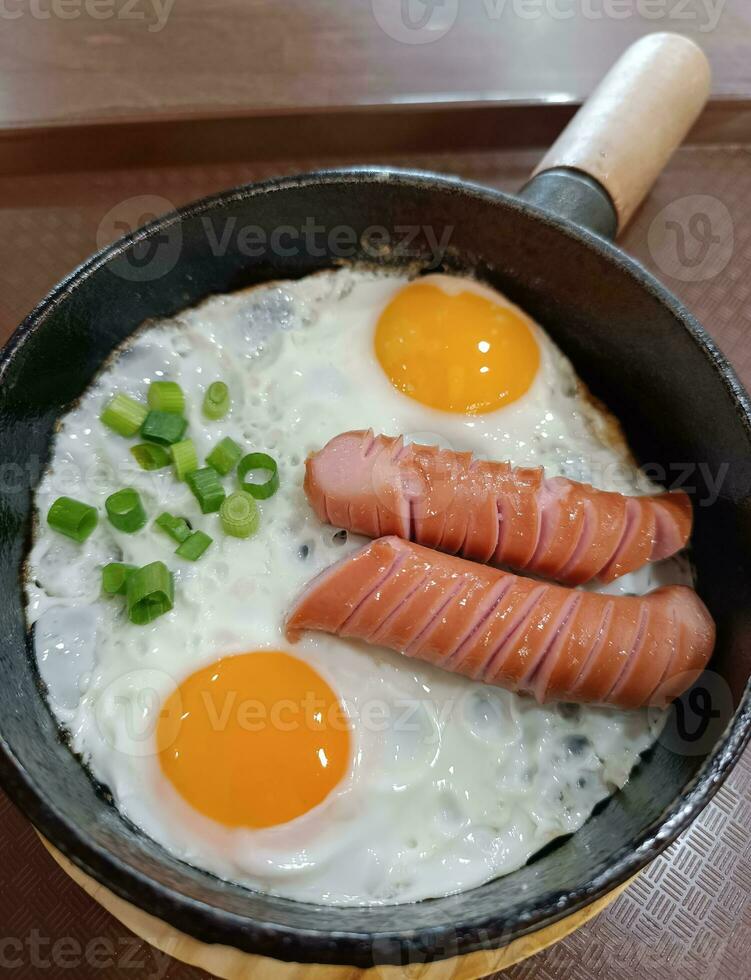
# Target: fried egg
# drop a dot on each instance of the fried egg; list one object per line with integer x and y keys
{"x": 330, "y": 772}
{"x": 455, "y": 349}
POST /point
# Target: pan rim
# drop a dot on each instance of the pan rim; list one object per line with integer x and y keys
{"x": 207, "y": 922}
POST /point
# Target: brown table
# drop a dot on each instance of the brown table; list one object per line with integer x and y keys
{"x": 94, "y": 115}
{"x": 243, "y": 57}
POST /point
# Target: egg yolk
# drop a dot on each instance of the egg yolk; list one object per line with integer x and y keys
{"x": 459, "y": 353}
{"x": 254, "y": 740}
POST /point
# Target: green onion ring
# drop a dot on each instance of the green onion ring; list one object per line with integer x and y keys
{"x": 115, "y": 577}
{"x": 72, "y": 518}
{"x": 194, "y": 546}
{"x": 149, "y": 456}
{"x": 258, "y": 461}
{"x": 150, "y": 593}
{"x": 216, "y": 401}
{"x": 166, "y": 396}
{"x": 124, "y": 414}
{"x": 125, "y": 510}
{"x": 239, "y": 515}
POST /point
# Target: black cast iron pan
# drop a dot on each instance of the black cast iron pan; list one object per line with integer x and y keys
{"x": 631, "y": 341}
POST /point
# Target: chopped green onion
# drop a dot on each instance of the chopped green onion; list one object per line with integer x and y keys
{"x": 193, "y": 547}
{"x": 177, "y": 527}
{"x": 164, "y": 427}
{"x": 125, "y": 510}
{"x": 72, "y": 518}
{"x": 239, "y": 515}
{"x": 258, "y": 461}
{"x": 149, "y": 456}
{"x": 150, "y": 592}
{"x": 115, "y": 577}
{"x": 216, "y": 401}
{"x": 224, "y": 456}
{"x": 166, "y": 396}
{"x": 124, "y": 414}
{"x": 184, "y": 458}
{"x": 206, "y": 488}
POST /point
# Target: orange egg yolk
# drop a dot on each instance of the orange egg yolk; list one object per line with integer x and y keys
{"x": 254, "y": 740}
{"x": 459, "y": 353}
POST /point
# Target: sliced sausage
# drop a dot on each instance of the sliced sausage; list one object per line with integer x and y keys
{"x": 491, "y": 512}
{"x": 518, "y": 633}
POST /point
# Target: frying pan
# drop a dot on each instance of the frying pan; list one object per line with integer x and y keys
{"x": 639, "y": 350}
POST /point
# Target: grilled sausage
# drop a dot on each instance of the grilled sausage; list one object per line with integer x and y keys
{"x": 491, "y": 512}
{"x": 503, "y": 629}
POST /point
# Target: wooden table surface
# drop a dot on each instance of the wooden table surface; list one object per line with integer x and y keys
{"x": 91, "y": 61}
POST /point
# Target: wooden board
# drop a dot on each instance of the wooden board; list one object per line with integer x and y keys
{"x": 232, "y": 964}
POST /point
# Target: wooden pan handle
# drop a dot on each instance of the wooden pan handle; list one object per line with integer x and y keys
{"x": 638, "y": 115}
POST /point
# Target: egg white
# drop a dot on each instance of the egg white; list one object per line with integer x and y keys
{"x": 451, "y": 782}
